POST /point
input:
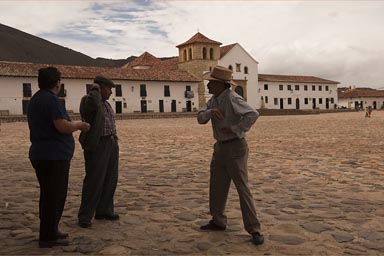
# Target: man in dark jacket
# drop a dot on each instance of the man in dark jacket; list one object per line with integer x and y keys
{"x": 101, "y": 154}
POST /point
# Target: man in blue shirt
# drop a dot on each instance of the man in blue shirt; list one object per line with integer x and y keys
{"x": 52, "y": 147}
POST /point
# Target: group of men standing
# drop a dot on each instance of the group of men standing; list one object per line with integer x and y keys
{"x": 52, "y": 148}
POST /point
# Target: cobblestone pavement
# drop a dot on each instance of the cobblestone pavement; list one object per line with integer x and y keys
{"x": 317, "y": 180}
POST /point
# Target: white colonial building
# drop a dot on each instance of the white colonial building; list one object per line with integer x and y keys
{"x": 296, "y": 92}
{"x": 151, "y": 89}
{"x": 360, "y": 98}
{"x": 200, "y": 54}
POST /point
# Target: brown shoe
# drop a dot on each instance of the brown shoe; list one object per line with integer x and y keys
{"x": 85, "y": 224}
{"x": 51, "y": 243}
{"x": 113, "y": 216}
{"x": 212, "y": 226}
{"x": 61, "y": 235}
{"x": 257, "y": 238}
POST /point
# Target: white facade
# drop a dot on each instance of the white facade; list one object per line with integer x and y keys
{"x": 362, "y": 102}
{"x": 155, "y": 99}
{"x": 11, "y": 91}
{"x": 294, "y": 95}
{"x": 244, "y": 67}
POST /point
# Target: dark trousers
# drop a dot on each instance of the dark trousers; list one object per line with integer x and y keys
{"x": 229, "y": 163}
{"x": 53, "y": 180}
{"x": 101, "y": 174}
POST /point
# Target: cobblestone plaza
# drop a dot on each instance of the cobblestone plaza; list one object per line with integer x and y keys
{"x": 317, "y": 181}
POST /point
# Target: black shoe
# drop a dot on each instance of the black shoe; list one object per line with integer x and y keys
{"x": 212, "y": 226}
{"x": 113, "y": 216}
{"x": 257, "y": 238}
{"x": 85, "y": 224}
{"x": 51, "y": 243}
{"x": 61, "y": 235}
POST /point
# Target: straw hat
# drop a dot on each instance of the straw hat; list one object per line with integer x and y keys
{"x": 221, "y": 74}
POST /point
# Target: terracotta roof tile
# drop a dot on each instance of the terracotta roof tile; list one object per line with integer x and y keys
{"x": 225, "y": 49}
{"x": 145, "y": 59}
{"x": 199, "y": 38}
{"x": 170, "y": 64}
{"x": 359, "y": 92}
{"x": 294, "y": 79}
{"x": 15, "y": 69}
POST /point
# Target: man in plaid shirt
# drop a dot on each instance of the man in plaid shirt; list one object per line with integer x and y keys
{"x": 101, "y": 154}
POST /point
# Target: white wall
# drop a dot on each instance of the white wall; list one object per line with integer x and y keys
{"x": 367, "y": 101}
{"x": 238, "y": 55}
{"x": 155, "y": 92}
{"x": 11, "y": 94}
{"x": 76, "y": 89}
{"x": 274, "y": 92}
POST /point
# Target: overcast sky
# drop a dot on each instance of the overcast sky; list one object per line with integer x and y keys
{"x": 337, "y": 40}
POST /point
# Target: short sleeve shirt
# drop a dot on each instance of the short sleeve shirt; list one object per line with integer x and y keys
{"x": 47, "y": 143}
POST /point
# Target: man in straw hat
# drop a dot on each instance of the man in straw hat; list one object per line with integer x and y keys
{"x": 231, "y": 116}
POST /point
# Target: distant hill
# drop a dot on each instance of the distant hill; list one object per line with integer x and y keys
{"x": 18, "y": 46}
{"x": 103, "y": 62}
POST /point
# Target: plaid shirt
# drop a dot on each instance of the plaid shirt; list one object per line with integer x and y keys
{"x": 109, "y": 121}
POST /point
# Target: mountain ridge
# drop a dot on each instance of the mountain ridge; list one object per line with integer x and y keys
{"x": 19, "y": 46}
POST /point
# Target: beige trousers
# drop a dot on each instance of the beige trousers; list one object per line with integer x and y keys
{"x": 229, "y": 162}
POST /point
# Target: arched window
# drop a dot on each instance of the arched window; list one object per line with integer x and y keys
{"x": 190, "y": 54}
{"x": 230, "y": 67}
{"x": 211, "y": 53}
{"x": 204, "y": 53}
{"x": 185, "y": 55}
{"x": 239, "y": 90}
{"x": 245, "y": 70}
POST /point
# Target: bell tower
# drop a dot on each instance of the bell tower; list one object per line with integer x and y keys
{"x": 198, "y": 55}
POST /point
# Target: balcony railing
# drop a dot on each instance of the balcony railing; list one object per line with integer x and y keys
{"x": 189, "y": 94}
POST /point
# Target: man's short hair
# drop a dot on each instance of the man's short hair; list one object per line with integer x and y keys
{"x": 48, "y": 77}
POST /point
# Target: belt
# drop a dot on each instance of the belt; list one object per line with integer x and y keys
{"x": 229, "y": 141}
{"x": 112, "y": 136}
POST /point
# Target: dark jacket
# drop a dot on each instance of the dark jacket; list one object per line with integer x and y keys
{"x": 92, "y": 112}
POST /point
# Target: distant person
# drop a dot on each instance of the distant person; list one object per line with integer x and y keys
{"x": 52, "y": 147}
{"x": 101, "y": 154}
{"x": 369, "y": 111}
{"x": 231, "y": 116}
{"x": 366, "y": 112}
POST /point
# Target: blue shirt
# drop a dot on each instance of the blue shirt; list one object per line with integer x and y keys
{"x": 47, "y": 142}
